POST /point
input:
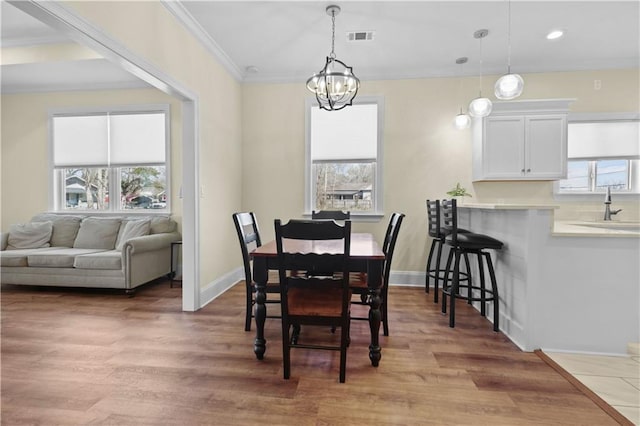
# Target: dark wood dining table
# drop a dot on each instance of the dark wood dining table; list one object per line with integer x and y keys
{"x": 365, "y": 256}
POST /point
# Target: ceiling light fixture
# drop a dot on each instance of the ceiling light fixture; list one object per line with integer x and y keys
{"x": 480, "y": 107}
{"x": 509, "y": 86}
{"x": 335, "y": 85}
{"x": 462, "y": 120}
{"x": 555, "y": 34}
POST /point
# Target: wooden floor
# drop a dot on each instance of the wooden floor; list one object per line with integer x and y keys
{"x": 73, "y": 357}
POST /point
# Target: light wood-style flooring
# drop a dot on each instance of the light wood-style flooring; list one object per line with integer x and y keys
{"x": 73, "y": 357}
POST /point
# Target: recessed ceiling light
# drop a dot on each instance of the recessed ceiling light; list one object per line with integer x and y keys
{"x": 555, "y": 34}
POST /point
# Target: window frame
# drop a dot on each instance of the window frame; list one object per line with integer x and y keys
{"x": 57, "y": 200}
{"x": 377, "y": 210}
{"x": 634, "y": 163}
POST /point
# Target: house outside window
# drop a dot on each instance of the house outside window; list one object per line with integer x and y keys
{"x": 344, "y": 157}
{"x": 111, "y": 159}
{"x": 602, "y": 153}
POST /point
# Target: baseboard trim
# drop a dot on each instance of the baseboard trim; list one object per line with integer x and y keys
{"x": 612, "y": 412}
{"x": 215, "y": 288}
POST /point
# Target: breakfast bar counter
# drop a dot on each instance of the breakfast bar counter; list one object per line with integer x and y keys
{"x": 562, "y": 286}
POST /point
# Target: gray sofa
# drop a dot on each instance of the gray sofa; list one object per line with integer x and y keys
{"x": 121, "y": 252}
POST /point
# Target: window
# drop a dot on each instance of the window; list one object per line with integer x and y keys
{"x": 602, "y": 154}
{"x": 110, "y": 160}
{"x": 344, "y": 157}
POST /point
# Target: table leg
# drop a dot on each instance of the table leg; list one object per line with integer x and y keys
{"x": 374, "y": 280}
{"x": 260, "y": 276}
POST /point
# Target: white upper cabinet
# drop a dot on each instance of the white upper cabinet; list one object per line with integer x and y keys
{"x": 522, "y": 140}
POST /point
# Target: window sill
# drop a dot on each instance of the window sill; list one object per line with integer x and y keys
{"x": 357, "y": 217}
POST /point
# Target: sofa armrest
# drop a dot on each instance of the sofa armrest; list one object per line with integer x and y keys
{"x": 4, "y": 240}
{"x": 150, "y": 242}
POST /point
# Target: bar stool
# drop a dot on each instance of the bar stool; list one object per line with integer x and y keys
{"x": 438, "y": 234}
{"x": 463, "y": 244}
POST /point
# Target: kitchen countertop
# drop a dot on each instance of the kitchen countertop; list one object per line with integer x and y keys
{"x": 502, "y": 206}
{"x": 575, "y": 228}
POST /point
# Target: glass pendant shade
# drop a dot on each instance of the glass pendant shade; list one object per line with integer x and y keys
{"x": 462, "y": 121}
{"x": 509, "y": 86}
{"x": 335, "y": 86}
{"x": 480, "y": 107}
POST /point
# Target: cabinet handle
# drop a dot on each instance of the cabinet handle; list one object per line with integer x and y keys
{"x": 522, "y": 170}
{"x": 528, "y": 170}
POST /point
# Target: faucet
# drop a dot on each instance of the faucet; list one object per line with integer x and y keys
{"x": 607, "y": 206}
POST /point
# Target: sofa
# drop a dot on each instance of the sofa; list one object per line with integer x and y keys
{"x": 119, "y": 252}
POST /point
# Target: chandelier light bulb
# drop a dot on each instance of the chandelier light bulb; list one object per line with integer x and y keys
{"x": 509, "y": 86}
{"x": 480, "y": 107}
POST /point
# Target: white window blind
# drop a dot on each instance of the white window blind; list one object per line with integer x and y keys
{"x": 80, "y": 141}
{"x": 351, "y": 133}
{"x": 109, "y": 140}
{"x": 614, "y": 139}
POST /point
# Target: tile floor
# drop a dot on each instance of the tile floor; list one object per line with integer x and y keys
{"x": 614, "y": 379}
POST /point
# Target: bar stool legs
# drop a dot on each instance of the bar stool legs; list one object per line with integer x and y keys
{"x": 452, "y": 290}
{"x": 435, "y": 272}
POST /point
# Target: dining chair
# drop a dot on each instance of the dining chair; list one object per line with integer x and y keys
{"x": 249, "y": 238}
{"x": 438, "y": 231}
{"x": 358, "y": 281}
{"x": 331, "y": 214}
{"x": 463, "y": 244}
{"x": 307, "y": 299}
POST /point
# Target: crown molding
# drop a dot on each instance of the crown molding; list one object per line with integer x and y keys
{"x": 193, "y": 26}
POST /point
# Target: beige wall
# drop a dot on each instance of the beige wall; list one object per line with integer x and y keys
{"x": 424, "y": 156}
{"x": 26, "y": 175}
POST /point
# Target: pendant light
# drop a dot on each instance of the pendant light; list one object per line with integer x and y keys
{"x": 462, "y": 120}
{"x": 335, "y": 85}
{"x": 480, "y": 107}
{"x": 509, "y": 86}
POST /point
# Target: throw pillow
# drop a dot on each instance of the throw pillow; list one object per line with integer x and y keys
{"x": 132, "y": 229}
{"x": 29, "y": 235}
{"x": 65, "y": 228}
{"x": 97, "y": 233}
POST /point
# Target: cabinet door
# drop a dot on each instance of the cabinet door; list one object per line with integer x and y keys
{"x": 503, "y": 147}
{"x": 545, "y": 147}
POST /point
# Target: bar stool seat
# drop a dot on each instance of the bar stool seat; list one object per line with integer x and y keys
{"x": 461, "y": 245}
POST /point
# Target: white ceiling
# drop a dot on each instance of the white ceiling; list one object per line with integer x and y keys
{"x": 288, "y": 41}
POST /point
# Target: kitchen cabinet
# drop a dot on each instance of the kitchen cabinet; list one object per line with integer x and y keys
{"x": 522, "y": 140}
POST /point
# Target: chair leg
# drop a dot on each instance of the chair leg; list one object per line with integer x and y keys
{"x": 469, "y": 280}
{"x": 483, "y": 292}
{"x": 247, "y": 319}
{"x": 383, "y": 312}
{"x": 496, "y": 299}
{"x": 436, "y": 280}
{"x": 446, "y": 280}
{"x": 344, "y": 343}
{"x": 426, "y": 279}
{"x": 286, "y": 350}
{"x": 455, "y": 282}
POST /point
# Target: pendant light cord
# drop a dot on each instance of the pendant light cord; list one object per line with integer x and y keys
{"x": 333, "y": 35}
{"x": 481, "y": 66}
{"x": 509, "y": 37}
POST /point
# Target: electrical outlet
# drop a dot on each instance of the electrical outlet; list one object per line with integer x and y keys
{"x": 597, "y": 84}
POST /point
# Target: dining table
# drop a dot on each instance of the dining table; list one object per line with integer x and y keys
{"x": 365, "y": 256}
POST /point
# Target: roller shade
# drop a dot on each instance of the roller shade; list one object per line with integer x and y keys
{"x": 350, "y": 133}
{"x": 109, "y": 140}
{"x": 614, "y": 139}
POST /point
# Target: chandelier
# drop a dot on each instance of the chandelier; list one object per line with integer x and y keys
{"x": 335, "y": 85}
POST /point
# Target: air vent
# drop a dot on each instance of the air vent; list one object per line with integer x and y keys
{"x": 360, "y": 35}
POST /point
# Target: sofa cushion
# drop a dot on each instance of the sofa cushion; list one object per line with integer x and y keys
{"x": 97, "y": 233}
{"x": 131, "y": 229}
{"x": 111, "y": 259}
{"x": 29, "y": 235}
{"x": 162, "y": 225}
{"x": 61, "y": 258}
{"x": 65, "y": 228}
{"x": 19, "y": 257}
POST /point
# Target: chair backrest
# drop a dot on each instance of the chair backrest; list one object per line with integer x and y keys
{"x": 450, "y": 218}
{"x": 249, "y": 238}
{"x": 331, "y": 214}
{"x": 296, "y": 257}
{"x": 433, "y": 218}
{"x": 393, "y": 229}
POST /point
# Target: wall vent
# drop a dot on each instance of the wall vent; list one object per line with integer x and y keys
{"x": 360, "y": 35}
